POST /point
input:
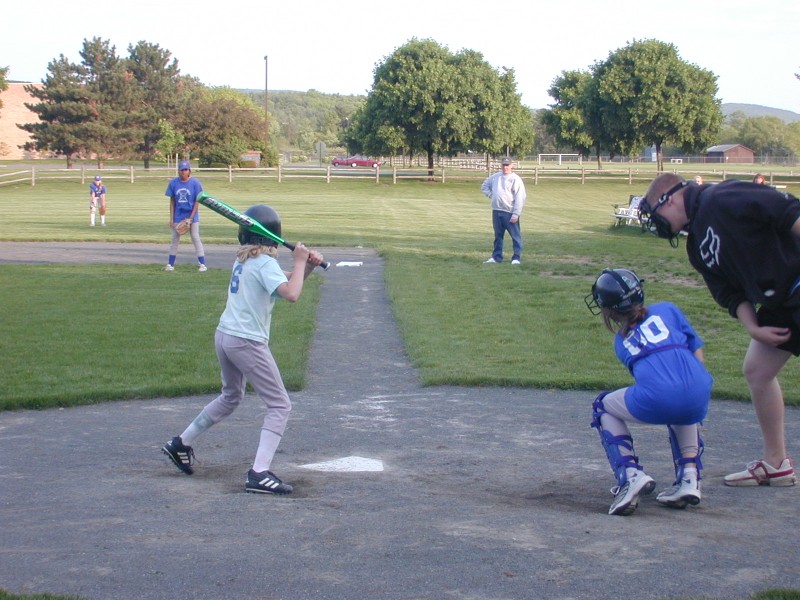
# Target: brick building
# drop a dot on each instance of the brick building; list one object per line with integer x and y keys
{"x": 13, "y": 112}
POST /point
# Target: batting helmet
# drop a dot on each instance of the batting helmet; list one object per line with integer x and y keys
{"x": 265, "y": 215}
{"x": 617, "y": 289}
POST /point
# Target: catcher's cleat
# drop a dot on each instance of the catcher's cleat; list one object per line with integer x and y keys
{"x": 266, "y": 482}
{"x": 626, "y": 498}
{"x": 683, "y": 492}
{"x": 181, "y": 455}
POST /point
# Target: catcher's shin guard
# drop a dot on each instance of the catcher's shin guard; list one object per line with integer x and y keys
{"x": 677, "y": 456}
{"x": 611, "y": 444}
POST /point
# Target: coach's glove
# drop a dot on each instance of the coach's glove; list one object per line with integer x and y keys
{"x": 183, "y": 226}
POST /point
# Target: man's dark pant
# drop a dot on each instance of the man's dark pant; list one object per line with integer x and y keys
{"x": 501, "y": 221}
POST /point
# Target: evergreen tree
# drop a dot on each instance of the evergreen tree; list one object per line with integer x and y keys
{"x": 63, "y": 110}
{"x": 155, "y": 95}
{"x": 109, "y": 90}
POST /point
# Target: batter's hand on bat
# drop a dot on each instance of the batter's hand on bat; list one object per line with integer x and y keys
{"x": 300, "y": 252}
{"x": 315, "y": 259}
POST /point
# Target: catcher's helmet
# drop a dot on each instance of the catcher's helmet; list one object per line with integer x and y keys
{"x": 617, "y": 289}
{"x": 265, "y": 215}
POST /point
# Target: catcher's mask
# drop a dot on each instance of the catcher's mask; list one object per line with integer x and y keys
{"x": 617, "y": 289}
{"x": 270, "y": 219}
{"x": 654, "y": 222}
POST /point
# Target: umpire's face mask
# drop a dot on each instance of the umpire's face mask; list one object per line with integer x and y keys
{"x": 656, "y": 223}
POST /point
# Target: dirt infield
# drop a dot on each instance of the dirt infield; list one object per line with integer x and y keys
{"x": 484, "y": 493}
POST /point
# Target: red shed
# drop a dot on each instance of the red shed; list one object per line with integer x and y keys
{"x": 730, "y": 153}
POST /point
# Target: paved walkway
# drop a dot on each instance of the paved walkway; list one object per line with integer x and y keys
{"x": 485, "y": 493}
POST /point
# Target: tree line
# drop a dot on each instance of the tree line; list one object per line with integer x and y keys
{"x": 425, "y": 100}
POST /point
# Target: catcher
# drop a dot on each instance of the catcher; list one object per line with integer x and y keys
{"x": 671, "y": 387}
{"x": 183, "y": 218}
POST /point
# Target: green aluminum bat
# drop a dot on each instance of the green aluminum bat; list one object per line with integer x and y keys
{"x": 219, "y": 207}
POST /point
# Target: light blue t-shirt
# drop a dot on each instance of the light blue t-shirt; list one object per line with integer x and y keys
{"x": 251, "y": 296}
{"x": 185, "y": 194}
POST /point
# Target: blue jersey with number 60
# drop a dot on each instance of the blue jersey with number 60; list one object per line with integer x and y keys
{"x": 672, "y": 387}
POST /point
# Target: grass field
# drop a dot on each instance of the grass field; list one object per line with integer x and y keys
{"x": 463, "y": 322}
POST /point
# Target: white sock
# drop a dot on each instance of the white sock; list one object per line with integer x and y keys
{"x": 631, "y": 472}
{"x": 267, "y": 447}
{"x": 199, "y": 425}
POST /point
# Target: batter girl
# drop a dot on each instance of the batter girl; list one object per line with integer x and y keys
{"x": 242, "y": 346}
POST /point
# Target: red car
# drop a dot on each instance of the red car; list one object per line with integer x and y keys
{"x": 356, "y": 161}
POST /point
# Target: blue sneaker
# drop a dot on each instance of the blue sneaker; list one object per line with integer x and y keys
{"x": 182, "y": 456}
{"x": 266, "y": 482}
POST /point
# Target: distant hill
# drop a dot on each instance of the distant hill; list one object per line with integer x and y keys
{"x": 755, "y": 110}
{"x": 750, "y": 110}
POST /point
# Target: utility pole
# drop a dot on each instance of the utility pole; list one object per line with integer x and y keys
{"x": 266, "y": 109}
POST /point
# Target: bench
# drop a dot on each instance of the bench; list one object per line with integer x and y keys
{"x": 628, "y": 214}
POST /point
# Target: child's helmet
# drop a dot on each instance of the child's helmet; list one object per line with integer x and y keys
{"x": 270, "y": 219}
{"x": 617, "y": 289}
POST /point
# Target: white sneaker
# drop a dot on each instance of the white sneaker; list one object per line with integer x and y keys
{"x": 202, "y": 268}
{"x": 490, "y": 261}
{"x": 626, "y": 498}
{"x": 681, "y": 494}
{"x": 515, "y": 262}
{"x": 169, "y": 268}
{"x": 760, "y": 472}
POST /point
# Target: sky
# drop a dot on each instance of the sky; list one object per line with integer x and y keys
{"x": 333, "y": 46}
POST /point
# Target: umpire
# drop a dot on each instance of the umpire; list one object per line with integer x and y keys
{"x": 744, "y": 239}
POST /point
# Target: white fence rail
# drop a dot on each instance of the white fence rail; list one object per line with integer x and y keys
{"x": 393, "y": 175}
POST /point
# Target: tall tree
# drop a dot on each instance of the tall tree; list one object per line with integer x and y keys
{"x": 109, "y": 90}
{"x": 765, "y": 136}
{"x": 223, "y": 124}
{"x": 4, "y": 149}
{"x": 567, "y": 118}
{"x": 649, "y": 95}
{"x": 156, "y": 93}
{"x": 3, "y": 82}
{"x": 425, "y": 100}
{"x": 500, "y": 125}
{"x": 63, "y": 110}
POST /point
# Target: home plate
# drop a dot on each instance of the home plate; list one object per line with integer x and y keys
{"x": 351, "y": 464}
